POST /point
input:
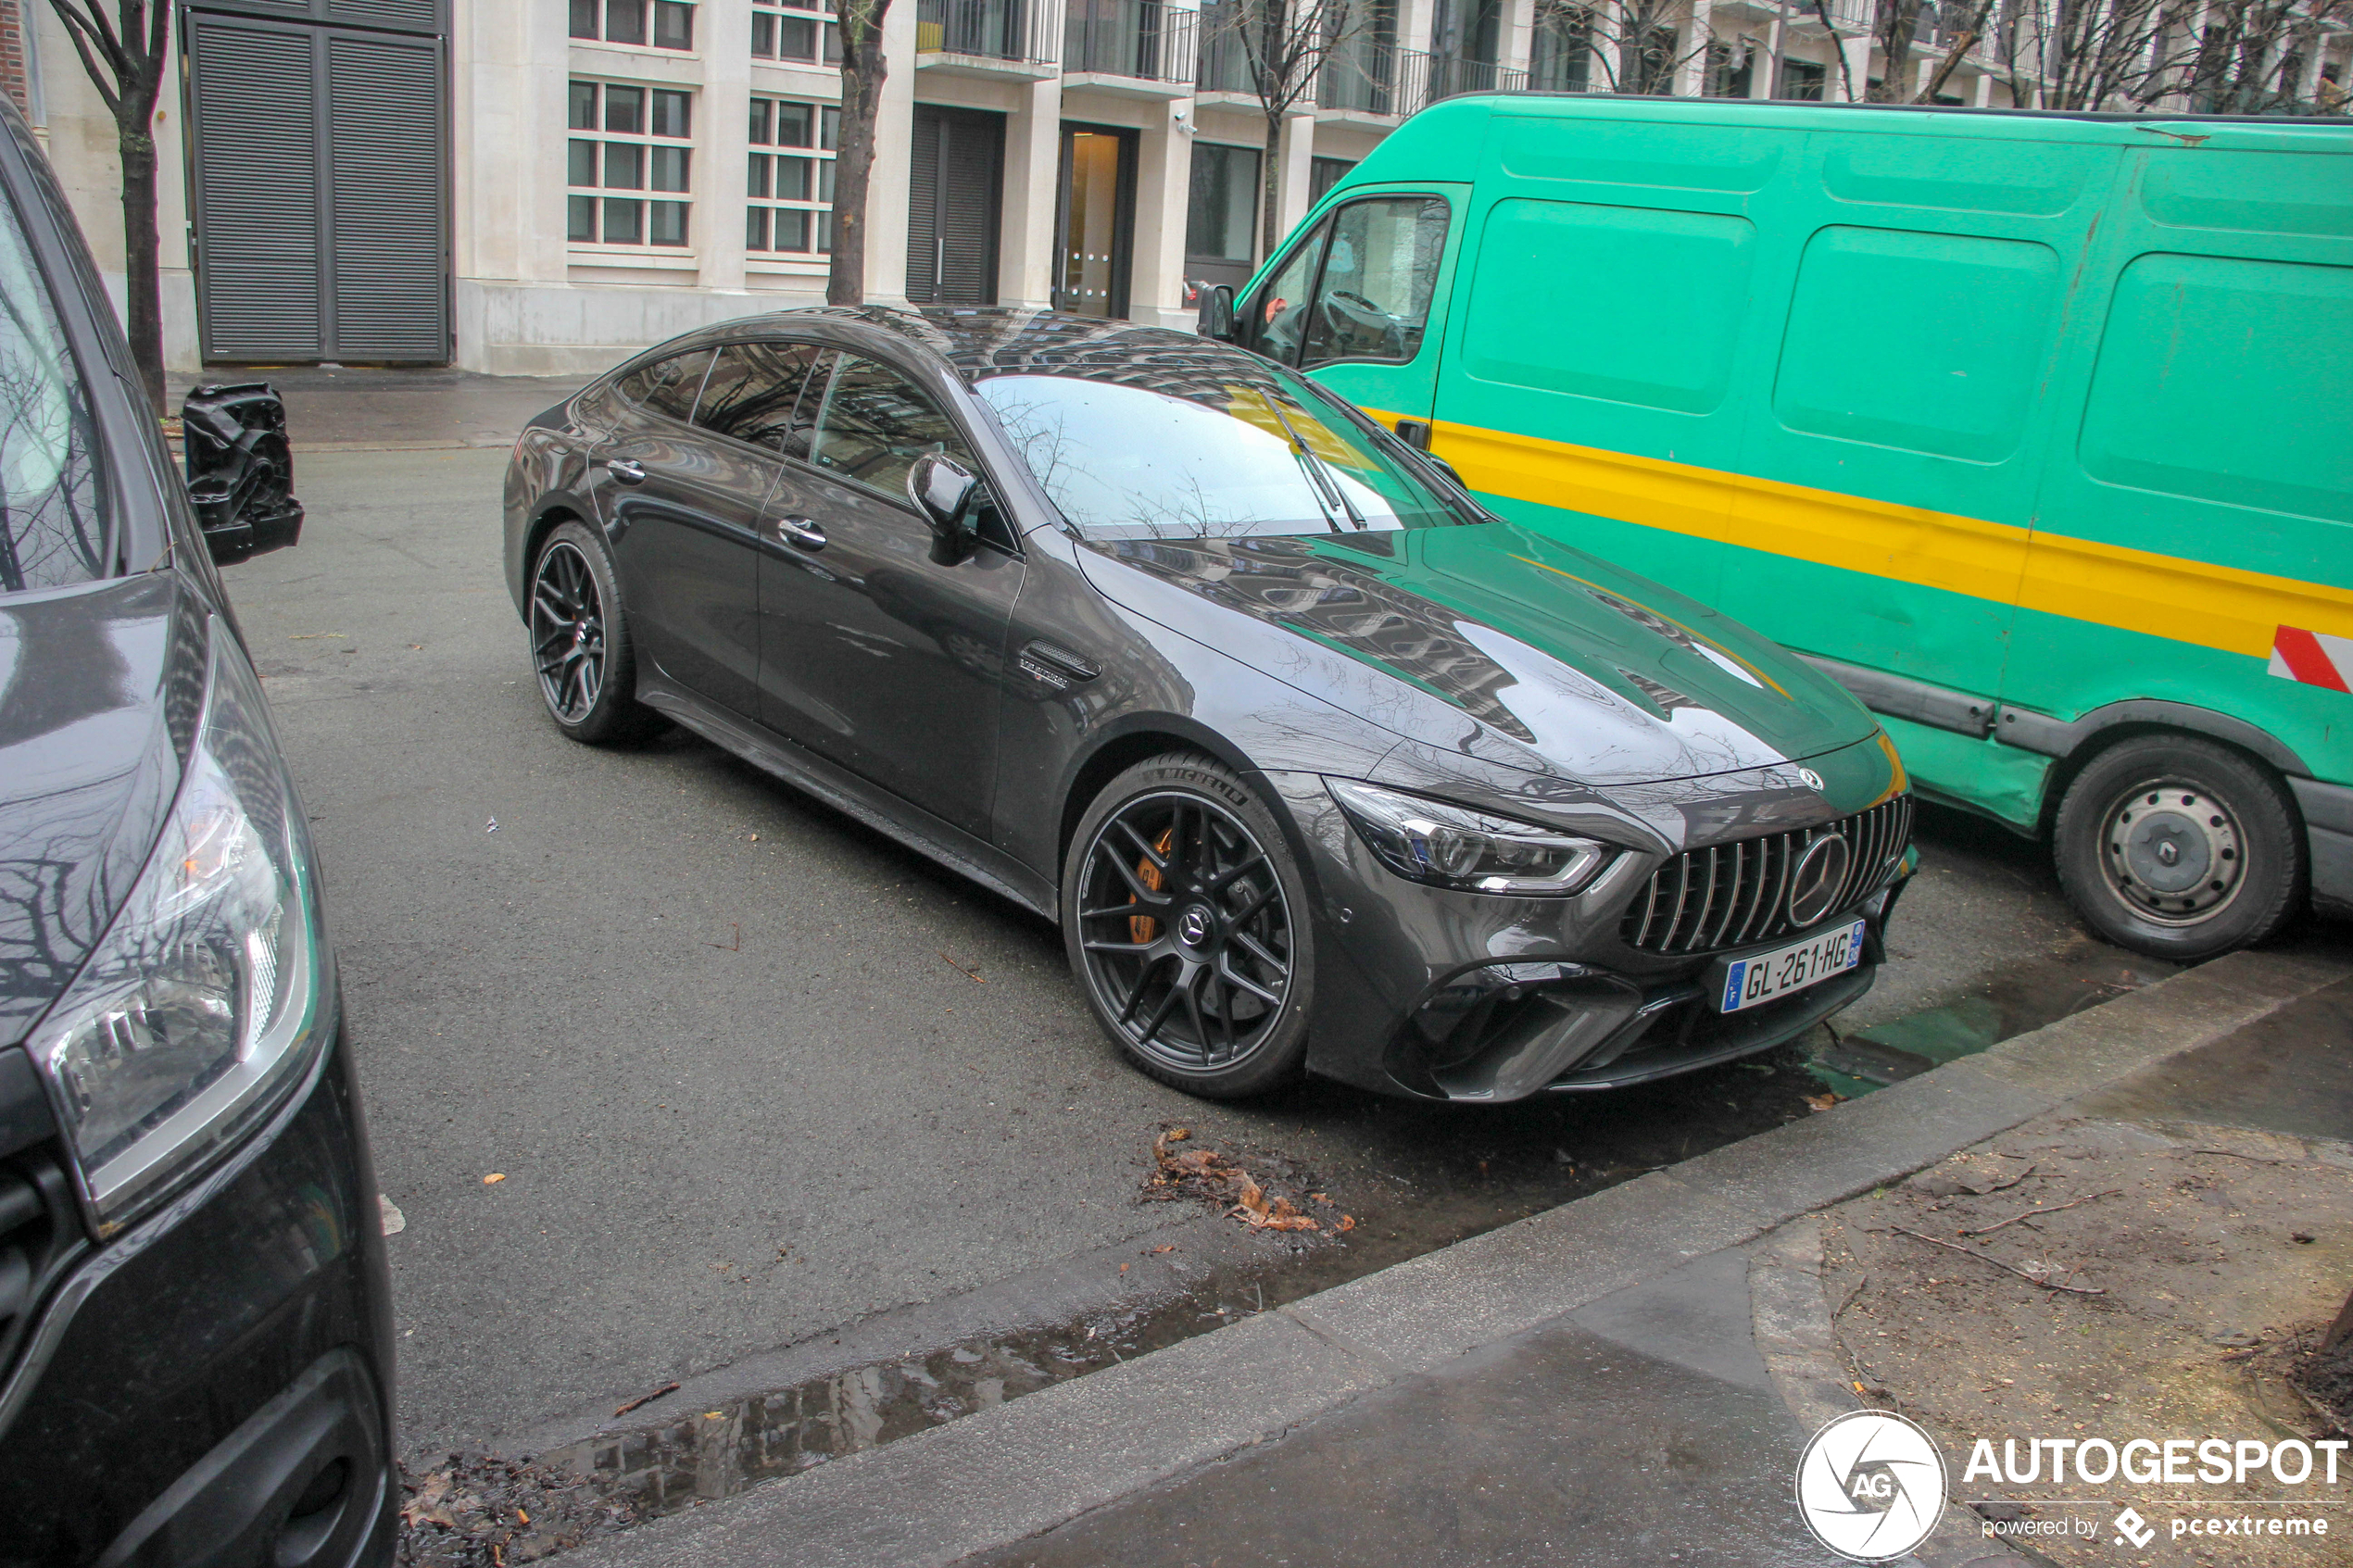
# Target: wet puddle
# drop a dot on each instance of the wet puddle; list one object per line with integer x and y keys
{"x": 1419, "y": 1177}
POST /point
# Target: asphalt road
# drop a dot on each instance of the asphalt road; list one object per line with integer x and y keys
{"x": 751, "y": 1071}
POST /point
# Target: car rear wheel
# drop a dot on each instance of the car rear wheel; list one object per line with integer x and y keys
{"x": 1186, "y": 921}
{"x": 2179, "y": 847}
{"x": 579, "y": 644}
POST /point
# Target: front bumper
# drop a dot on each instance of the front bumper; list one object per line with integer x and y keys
{"x": 1444, "y": 996}
{"x": 215, "y": 1384}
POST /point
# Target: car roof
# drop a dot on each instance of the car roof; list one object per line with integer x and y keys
{"x": 979, "y": 342}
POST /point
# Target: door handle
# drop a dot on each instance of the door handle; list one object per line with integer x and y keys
{"x": 625, "y": 470}
{"x": 801, "y": 531}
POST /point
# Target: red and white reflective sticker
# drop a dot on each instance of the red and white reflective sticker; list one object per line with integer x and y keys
{"x": 2314, "y": 657}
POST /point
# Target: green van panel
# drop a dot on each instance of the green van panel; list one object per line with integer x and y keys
{"x": 1952, "y": 373}
{"x": 1677, "y": 287}
{"x": 2169, "y": 409}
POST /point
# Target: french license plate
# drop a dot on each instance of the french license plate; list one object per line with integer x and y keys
{"x": 1767, "y": 977}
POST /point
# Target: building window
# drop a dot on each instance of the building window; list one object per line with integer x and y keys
{"x": 1222, "y": 219}
{"x": 1323, "y": 173}
{"x": 791, "y": 176}
{"x": 1560, "y": 56}
{"x": 633, "y": 148}
{"x": 666, "y": 24}
{"x": 795, "y": 29}
{"x": 1801, "y": 79}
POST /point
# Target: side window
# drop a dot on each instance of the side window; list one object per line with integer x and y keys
{"x": 668, "y": 386}
{"x": 753, "y": 391}
{"x": 875, "y": 425}
{"x": 1372, "y": 300}
{"x": 1272, "y": 319}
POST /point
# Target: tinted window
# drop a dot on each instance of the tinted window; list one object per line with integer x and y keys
{"x": 875, "y": 425}
{"x": 53, "y": 526}
{"x": 668, "y": 386}
{"x": 1373, "y": 299}
{"x": 752, "y": 391}
{"x": 1220, "y": 459}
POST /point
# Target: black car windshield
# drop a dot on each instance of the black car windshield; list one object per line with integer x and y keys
{"x": 1218, "y": 459}
{"x": 52, "y": 520}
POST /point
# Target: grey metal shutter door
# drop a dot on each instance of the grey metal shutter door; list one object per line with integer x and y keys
{"x": 968, "y": 180}
{"x": 383, "y": 132}
{"x": 257, "y": 191}
{"x": 922, "y": 208}
{"x": 415, "y": 16}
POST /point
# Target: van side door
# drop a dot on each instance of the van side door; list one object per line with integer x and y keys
{"x": 1359, "y": 300}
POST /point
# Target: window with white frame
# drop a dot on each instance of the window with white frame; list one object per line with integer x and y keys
{"x": 791, "y": 178}
{"x": 665, "y": 24}
{"x": 629, "y": 145}
{"x": 795, "y": 29}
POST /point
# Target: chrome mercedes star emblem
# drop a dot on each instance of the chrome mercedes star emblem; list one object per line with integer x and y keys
{"x": 1193, "y": 926}
{"x": 1813, "y": 779}
{"x": 1822, "y": 875}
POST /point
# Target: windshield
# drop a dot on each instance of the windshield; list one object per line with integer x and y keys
{"x": 1214, "y": 459}
{"x": 52, "y": 526}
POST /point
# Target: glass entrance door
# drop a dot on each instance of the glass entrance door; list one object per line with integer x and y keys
{"x": 1096, "y": 220}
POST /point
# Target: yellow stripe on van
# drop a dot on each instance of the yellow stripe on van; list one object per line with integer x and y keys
{"x": 2190, "y": 601}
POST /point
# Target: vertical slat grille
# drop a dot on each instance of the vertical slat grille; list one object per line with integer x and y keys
{"x": 1730, "y": 894}
{"x": 391, "y": 297}
{"x": 257, "y": 169}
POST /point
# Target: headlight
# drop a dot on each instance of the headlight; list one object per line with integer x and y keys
{"x": 1451, "y": 846}
{"x": 204, "y": 999}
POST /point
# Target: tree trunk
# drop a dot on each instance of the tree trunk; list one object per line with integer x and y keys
{"x": 1271, "y": 188}
{"x": 143, "y": 279}
{"x": 863, "y": 70}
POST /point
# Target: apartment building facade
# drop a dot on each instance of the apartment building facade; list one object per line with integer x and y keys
{"x": 543, "y": 186}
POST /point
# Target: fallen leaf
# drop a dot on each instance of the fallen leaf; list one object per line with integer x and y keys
{"x": 1823, "y": 1101}
{"x": 494, "y": 1178}
{"x": 1169, "y": 1247}
{"x": 1347, "y": 1223}
{"x": 1123, "y": 1268}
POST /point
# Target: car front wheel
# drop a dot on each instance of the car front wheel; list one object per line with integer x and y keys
{"x": 1186, "y": 921}
{"x": 2179, "y": 847}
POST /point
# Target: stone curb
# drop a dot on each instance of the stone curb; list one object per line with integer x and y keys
{"x": 1025, "y": 1467}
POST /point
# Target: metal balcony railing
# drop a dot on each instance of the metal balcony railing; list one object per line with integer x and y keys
{"x": 1222, "y": 58}
{"x": 1424, "y": 78}
{"x": 1020, "y": 30}
{"x": 1361, "y": 75}
{"x": 1143, "y": 38}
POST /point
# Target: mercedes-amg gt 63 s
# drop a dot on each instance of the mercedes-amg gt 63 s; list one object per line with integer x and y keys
{"x": 1319, "y": 765}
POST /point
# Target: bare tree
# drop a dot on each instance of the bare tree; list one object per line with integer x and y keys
{"x": 2236, "y": 57}
{"x": 1279, "y": 48}
{"x": 125, "y": 57}
{"x": 863, "y": 70}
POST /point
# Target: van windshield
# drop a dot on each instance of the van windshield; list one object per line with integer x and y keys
{"x": 1207, "y": 457}
{"x": 52, "y": 529}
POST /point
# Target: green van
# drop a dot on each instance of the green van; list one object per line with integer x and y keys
{"x": 2034, "y": 430}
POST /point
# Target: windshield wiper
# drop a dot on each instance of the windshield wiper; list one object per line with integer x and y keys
{"x": 1334, "y": 499}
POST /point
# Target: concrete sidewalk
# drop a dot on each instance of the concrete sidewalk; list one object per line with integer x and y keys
{"x": 381, "y": 410}
{"x": 1624, "y": 1379}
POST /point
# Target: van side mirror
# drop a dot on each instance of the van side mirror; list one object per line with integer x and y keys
{"x": 944, "y": 490}
{"x": 1217, "y": 316}
{"x": 240, "y": 470}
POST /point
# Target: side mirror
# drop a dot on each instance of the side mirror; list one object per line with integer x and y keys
{"x": 944, "y": 490}
{"x": 1217, "y": 316}
{"x": 240, "y": 470}
{"x": 1447, "y": 468}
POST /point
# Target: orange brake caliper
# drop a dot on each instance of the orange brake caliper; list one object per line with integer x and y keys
{"x": 1142, "y": 929}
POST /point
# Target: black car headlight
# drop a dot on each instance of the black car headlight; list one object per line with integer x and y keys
{"x": 208, "y": 996}
{"x": 1451, "y": 846}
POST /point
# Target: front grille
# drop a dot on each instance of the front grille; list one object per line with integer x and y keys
{"x": 1730, "y": 894}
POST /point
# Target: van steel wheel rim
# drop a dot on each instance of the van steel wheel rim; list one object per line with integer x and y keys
{"x": 2170, "y": 849}
{"x": 567, "y": 633}
{"x": 1185, "y": 931}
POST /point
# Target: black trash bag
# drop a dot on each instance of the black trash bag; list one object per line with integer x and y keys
{"x": 240, "y": 470}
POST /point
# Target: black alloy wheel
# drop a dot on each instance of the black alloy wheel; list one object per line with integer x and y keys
{"x": 2179, "y": 847}
{"x": 1184, "y": 915}
{"x": 579, "y": 644}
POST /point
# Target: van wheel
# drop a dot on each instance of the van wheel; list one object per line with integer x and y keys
{"x": 2179, "y": 847}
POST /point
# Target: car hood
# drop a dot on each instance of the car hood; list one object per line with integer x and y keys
{"x": 100, "y": 690}
{"x": 1567, "y": 664}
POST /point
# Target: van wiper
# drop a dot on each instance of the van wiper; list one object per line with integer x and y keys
{"x": 1333, "y": 498}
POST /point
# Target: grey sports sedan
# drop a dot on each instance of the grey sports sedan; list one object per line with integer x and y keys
{"x": 1319, "y": 766}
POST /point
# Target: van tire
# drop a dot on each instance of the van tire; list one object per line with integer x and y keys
{"x": 2181, "y": 847}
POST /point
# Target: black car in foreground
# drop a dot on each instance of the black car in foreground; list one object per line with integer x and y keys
{"x": 195, "y": 1350}
{"x": 1319, "y": 765}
